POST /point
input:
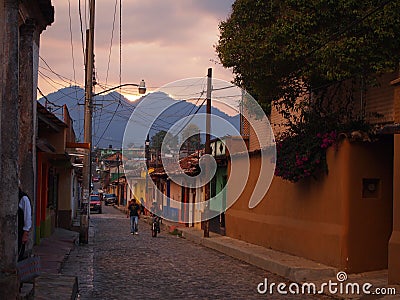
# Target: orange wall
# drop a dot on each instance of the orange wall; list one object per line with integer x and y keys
{"x": 324, "y": 219}
{"x": 57, "y": 140}
{"x": 370, "y": 218}
{"x": 394, "y": 245}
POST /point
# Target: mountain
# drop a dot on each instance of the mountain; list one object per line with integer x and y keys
{"x": 112, "y": 111}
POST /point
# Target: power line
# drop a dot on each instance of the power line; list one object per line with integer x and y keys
{"x": 192, "y": 116}
{"x": 120, "y": 69}
{"x": 81, "y": 27}
{"x": 72, "y": 48}
{"x": 46, "y": 99}
{"x": 70, "y": 31}
{"x": 86, "y": 14}
{"x": 142, "y": 114}
{"x": 68, "y": 95}
{"x": 52, "y": 80}
{"x": 62, "y": 78}
{"x": 111, "y": 42}
{"x": 58, "y": 90}
{"x": 108, "y": 125}
{"x": 65, "y": 79}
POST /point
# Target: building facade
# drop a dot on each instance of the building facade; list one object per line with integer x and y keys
{"x": 347, "y": 218}
{"x": 21, "y": 24}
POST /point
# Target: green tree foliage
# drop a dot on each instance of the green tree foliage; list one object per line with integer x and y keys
{"x": 326, "y": 51}
{"x": 163, "y": 137}
{"x": 278, "y": 49}
{"x": 191, "y": 137}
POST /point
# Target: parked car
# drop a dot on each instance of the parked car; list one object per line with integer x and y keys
{"x": 110, "y": 199}
{"x": 95, "y": 204}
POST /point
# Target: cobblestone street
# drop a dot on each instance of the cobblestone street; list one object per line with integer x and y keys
{"x": 117, "y": 265}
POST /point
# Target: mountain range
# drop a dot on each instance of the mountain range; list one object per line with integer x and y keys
{"x": 112, "y": 111}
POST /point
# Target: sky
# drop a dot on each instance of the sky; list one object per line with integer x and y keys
{"x": 161, "y": 41}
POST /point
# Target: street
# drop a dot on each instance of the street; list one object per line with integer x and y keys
{"x": 118, "y": 265}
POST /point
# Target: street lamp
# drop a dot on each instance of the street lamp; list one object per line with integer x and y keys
{"x": 88, "y": 126}
{"x": 141, "y": 88}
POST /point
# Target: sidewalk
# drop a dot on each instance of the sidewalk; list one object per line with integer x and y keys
{"x": 53, "y": 251}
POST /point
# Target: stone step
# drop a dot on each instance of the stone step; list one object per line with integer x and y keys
{"x": 56, "y": 286}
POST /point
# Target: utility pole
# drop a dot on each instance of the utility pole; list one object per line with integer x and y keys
{"x": 87, "y": 172}
{"x": 208, "y": 150}
{"x": 147, "y": 155}
{"x": 118, "y": 190}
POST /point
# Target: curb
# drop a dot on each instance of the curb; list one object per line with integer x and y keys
{"x": 294, "y": 268}
{"x": 53, "y": 286}
{"x": 54, "y": 251}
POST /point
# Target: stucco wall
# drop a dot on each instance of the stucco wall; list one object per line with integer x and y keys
{"x": 370, "y": 222}
{"x": 394, "y": 245}
{"x": 64, "y": 209}
{"x": 137, "y": 188}
{"x": 65, "y": 189}
{"x": 326, "y": 220}
{"x": 175, "y": 194}
{"x": 57, "y": 140}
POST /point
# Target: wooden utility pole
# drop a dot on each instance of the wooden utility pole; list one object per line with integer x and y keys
{"x": 118, "y": 187}
{"x": 87, "y": 172}
{"x": 208, "y": 150}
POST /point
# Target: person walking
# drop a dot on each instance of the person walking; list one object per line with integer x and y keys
{"x": 133, "y": 211}
{"x": 24, "y": 222}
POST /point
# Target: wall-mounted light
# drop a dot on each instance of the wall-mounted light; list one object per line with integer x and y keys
{"x": 370, "y": 188}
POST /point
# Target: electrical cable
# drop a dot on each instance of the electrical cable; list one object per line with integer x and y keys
{"x": 81, "y": 27}
{"x": 111, "y": 42}
{"x": 72, "y": 45}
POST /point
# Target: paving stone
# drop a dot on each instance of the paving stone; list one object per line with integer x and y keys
{"x": 118, "y": 265}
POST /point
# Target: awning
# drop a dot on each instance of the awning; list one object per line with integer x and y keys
{"x": 45, "y": 146}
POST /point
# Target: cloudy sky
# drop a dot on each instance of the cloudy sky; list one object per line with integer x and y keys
{"x": 162, "y": 41}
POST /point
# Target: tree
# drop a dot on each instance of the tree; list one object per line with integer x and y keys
{"x": 191, "y": 137}
{"x": 163, "y": 137}
{"x": 324, "y": 51}
{"x": 157, "y": 139}
{"x": 279, "y": 49}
